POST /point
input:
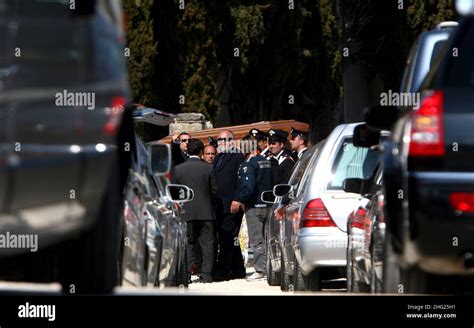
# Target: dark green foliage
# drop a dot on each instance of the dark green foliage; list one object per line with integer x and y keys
{"x": 254, "y": 57}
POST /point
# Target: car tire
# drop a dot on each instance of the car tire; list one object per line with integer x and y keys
{"x": 356, "y": 285}
{"x": 273, "y": 278}
{"x": 391, "y": 268}
{"x": 375, "y": 282}
{"x": 183, "y": 271}
{"x": 285, "y": 281}
{"x": 413, "y": 280}
{"x": 181, "y": 276}
{"x": 298, "y": 278}
{"x": 313, "y": 281}
{"x": 90, "y": 263}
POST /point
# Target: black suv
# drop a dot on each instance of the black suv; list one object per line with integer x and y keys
{"x": 429, "y": 179}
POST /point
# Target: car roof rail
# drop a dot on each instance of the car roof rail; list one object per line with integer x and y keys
{"x": 447, "y": 24}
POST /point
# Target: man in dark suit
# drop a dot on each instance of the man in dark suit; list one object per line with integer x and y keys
{"x": 198, "y": 213}
{"x": 179, "y": 148}
{"x": 228, "y": 211}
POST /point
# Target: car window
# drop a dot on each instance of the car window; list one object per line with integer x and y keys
{"x": 408, "y": 74}
{"x": 142, "y": 155}
{"x": 301, "y": 166}
{"x": 436, "y": 51}
{"x": 460, "y": 69}
{"x": 310, "y": 168}
{"x": 352, "y": 162}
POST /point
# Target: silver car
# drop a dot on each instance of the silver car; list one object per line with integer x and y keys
{"x": 273, "y": 228}
{"x": 314, "y": 233}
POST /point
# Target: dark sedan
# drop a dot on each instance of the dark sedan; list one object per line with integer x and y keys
{"x": 63, "y": 139}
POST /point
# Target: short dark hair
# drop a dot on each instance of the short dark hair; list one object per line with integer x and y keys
{"x": 305, "y": 139}
{"x": 183, "y": 133}
{"x": 195, "y": 147}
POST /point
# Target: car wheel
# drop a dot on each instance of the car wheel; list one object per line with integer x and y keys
{"x": 298, "y": 278}
{"x": 273, "y": 278}
{"x": 391, "y": 269}
{"x": 90, "y": 264}
{"x": 356, "y": 285}
{"x": 375, "y": 281}
{"x": 181, "y": 273}
{"x": 183, "y": 270}
{"x": 313, "y": 281}
{"x": 285, "y": 280}
{"x": 413, "y": 280}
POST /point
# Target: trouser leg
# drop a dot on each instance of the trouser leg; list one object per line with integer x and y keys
{"x": 256, "y": 218}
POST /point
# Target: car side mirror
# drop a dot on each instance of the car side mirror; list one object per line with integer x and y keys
{"x": 268, "y": 197}
{"x": 179, "y": 193}
{"x": 281, "y": 190}
{"x": 159, "y": 158}
{"x": 381, "y": 117}
{"x": 365, "y": 137}
{"x": 355, "y": 185}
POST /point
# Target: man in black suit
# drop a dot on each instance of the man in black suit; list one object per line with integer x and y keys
{"x": 198, "y": 213}
{"x": 179, "y": 148}
{"x": 228, "y": 210}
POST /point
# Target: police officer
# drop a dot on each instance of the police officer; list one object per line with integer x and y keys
{"x": 262, "y": 142}
{"x": 255, "y": 177}
{"x": 299, "y": 143}
{"x": 276, "y": 143}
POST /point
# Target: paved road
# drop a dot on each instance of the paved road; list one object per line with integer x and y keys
{"x": 233, "y": 287}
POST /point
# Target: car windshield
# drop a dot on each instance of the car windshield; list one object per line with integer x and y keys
{"x": 352, "y": 162}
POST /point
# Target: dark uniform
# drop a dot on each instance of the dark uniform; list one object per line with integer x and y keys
{"x": 295, "y": 133}
{"x": 281, "y": 173}
{"x": 255, "y": 177}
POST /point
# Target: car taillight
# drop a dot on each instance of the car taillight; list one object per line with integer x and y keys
{"x": 114, "y": 114}
{"x": 427, "y": 137}
{"x": 358, "y": 219}
{"x": 315, "y": 214}
{"x": 462, "y": 201}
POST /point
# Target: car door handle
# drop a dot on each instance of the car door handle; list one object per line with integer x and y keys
{"x": 343, "y": 197}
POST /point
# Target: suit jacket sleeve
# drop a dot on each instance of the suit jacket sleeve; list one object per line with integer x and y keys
{"x": 176, "y": 155}
{"x": 175, "y": 176}
{"x": 239, "y": 159}
{"x": 213, "y": 183}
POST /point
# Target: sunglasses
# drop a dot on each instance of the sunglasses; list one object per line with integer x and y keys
{"x": 209, "y": 154}
{"x": 184, "y": 140}
{"x": 224, "y": 139}
{"x": 272, "y": 143}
